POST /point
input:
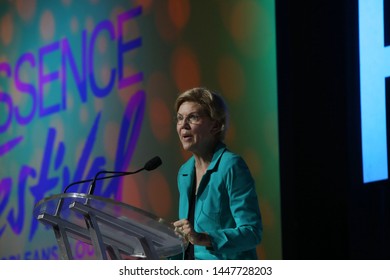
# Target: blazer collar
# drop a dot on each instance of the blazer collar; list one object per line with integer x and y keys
{"x": 187, "y": 172}
{"x": 188, "y": 167}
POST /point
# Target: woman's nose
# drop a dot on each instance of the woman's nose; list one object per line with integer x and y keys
{"x": 185, "y": 125}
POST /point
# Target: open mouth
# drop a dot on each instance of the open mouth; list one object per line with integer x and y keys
{"x": 186, "y": 136}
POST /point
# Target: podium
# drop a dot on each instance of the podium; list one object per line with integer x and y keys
{"x": 115, "y": 230}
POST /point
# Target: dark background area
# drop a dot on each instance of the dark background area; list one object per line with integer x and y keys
{"x": 327, "y": 212}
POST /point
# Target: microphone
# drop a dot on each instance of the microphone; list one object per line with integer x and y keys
{"x": 153, "y": 164}
{"x": 149, "y": 165}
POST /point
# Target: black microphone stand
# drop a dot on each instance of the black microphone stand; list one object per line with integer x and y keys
{"x": 150, "y": 165}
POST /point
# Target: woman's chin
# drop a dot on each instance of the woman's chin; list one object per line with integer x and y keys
{"x": 187, "y": 147}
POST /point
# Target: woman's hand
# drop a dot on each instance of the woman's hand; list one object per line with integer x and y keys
{"x": 185, "y": 228}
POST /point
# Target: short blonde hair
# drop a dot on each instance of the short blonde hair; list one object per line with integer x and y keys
{"x": 211, "y": 102}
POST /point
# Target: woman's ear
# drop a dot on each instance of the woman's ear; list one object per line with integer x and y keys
{"x": 216, "y": 128}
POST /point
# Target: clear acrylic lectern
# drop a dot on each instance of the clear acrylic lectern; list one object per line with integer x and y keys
{"x": 115, "y": 229}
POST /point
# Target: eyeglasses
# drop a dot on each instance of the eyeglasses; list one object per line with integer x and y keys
{"x": 191, "y": 119}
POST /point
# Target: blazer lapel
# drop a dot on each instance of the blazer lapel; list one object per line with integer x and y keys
{"x": 212, "y": 167}
{"x": 186, "y": 177}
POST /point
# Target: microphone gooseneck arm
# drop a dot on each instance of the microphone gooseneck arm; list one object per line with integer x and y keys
{"x": 150, "y": 165}
{"x": 116, "y": 174}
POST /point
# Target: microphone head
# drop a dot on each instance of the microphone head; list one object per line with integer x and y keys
{"x": 153, "y": 163}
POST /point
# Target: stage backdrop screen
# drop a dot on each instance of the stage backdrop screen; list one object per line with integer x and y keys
{"x": 90, "y": 85}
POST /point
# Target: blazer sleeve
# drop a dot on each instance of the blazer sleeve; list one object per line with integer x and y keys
{"x": 244, "y": 209}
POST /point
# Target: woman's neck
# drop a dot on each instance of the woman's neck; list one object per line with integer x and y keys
{"x": 204, "y": 158}
{"x": 202, "y": 163}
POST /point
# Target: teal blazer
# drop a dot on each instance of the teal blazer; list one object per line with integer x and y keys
{"x": 226, "y": 206}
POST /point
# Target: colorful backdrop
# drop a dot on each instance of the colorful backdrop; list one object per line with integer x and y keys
{"x": 90, "y": 85}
